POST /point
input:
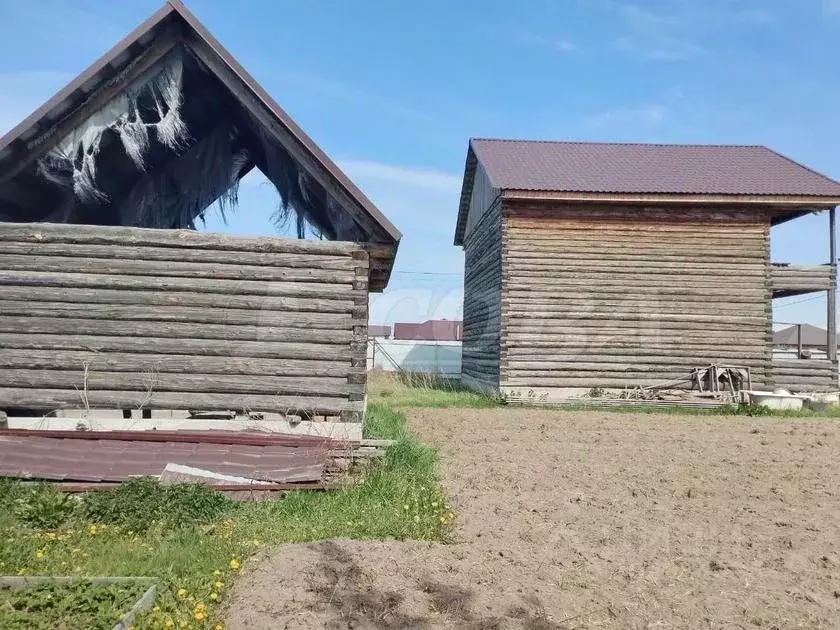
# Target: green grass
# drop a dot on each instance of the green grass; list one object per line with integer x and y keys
{"x": 424, "y": 390}
{"x": 196, "y": 543}
{"x": 67, "y": 606}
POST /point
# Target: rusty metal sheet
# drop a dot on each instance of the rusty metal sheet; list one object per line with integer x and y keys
{"x": 92, "y": 460}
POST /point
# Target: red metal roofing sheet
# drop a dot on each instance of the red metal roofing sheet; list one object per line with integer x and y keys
{"x": 647, "y": 168}
{"x": 69, "y": 459}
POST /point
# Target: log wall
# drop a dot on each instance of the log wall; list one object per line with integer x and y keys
{"x": 482, "y": 301}
{"x": 805, "y": 375}
{"x": 137, "y": 318}
{"x": 619, "y": 297}
{"x": 787, "y": 280}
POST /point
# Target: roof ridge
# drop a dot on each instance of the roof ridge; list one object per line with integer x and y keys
{"x": 606, "y": 142}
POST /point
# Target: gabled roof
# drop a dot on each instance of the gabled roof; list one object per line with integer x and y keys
{"x": 811, "y": 336}
{"x": 716, "y": 172}
{"x": 174, "y": 28}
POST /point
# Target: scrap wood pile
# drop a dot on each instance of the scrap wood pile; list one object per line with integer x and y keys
{"x": 239, "y": 462}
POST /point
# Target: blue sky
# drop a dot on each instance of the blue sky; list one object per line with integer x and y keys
{"x": 393, "y": 90}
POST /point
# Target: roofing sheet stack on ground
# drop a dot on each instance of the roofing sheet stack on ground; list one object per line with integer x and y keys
{"x": 114, "y": 456}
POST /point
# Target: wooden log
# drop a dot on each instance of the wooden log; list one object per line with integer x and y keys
{"x": 164, "y": 345}
{"x": 222, "y": 315}
{"x": 616, "y": 362}
{"x": 817, "y": 364}
{"x": 177, "y": 363}
{"x": 617, "y": 381}
{"x": 133, "y": 236}
{"x": 177, "y": 298}
{"x": 572, "y": 317}
{"x": 605, "y": 364}
{"x": 49, "y": 399}
{"x": 195, "y": 285}
{"x": 176, "y": 254}
{"x": 169, "y": 268}
{"x": 37, "y": 326}
{"x": 80, "y": 382}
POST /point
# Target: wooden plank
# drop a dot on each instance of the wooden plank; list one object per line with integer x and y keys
{"x": 48, "y": 399}
{"x": 37, "y": 326}
{"x": 177, "y": 363}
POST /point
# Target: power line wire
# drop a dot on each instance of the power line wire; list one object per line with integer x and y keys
{"x": 810, "y": 299}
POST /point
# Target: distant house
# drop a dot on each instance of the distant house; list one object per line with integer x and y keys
{"x": 430, "y": 330}
{"x": 379, "y": 330}
{"x": 607, "y": 265}
{"x": 812, "y": 336}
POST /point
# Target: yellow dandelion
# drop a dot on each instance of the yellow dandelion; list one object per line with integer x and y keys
{"x": 434, "y": 503}
{"x": 256, "y": 542}
{"x": 169, "y": 623}
{"x": 214, "y": 596}
{"x": 405, "y": 507}
{"x": 442, "y": 519}
{"x": 218, "y": 626}
{"x": 234, "y": 564}
{"x": 217, "y": 573}
{"x": 199, "y": 615}
{"x": 39, "y": 554}
{"x": 156, "y": 609}
{"x": 219, "y": 585}
{"x": 182, "y": 592}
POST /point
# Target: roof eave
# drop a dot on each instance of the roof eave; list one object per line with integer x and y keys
{"x": 791, "y": 201}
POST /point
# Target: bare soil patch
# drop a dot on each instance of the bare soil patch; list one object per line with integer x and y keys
{"x": 589, "y": 519}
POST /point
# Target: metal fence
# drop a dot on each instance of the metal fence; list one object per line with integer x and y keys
{"x": 392, "y": 355}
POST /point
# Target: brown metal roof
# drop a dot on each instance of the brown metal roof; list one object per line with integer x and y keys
{"x": 647, "y": 168}
{"x": 812, "y": 336}
{"x": 627, "y": 169}
{"x": 31, "y": 130}
{"x": 70, "y": 459}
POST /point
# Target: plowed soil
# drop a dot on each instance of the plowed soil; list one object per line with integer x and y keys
{"x": 589, "y": 520}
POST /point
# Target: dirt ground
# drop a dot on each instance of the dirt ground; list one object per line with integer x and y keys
{"x": 589, "y": 520}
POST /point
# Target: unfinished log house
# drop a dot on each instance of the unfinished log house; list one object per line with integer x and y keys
{"x": 620, "y": 265}
{"x": 110, "y": 298}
